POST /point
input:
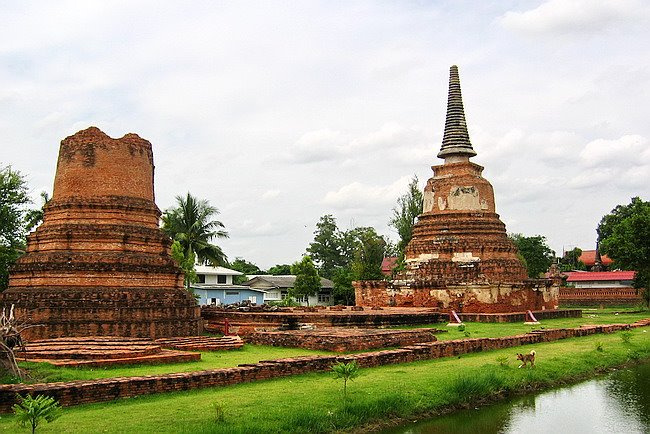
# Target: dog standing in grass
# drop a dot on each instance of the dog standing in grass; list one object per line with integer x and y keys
{"x": 526, "y": 358}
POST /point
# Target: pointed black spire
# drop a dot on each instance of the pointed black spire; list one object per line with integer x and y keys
{"x": 455, "y": 141}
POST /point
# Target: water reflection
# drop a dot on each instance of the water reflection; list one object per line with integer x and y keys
{"x": 617, "y": 403}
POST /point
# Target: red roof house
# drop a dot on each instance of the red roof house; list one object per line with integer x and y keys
{"x": 600, "y": 279}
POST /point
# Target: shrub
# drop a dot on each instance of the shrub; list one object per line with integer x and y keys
{"x": 599, "y": 346}
{"x": 32, "y": 411}
{"x": 461, "y": 328}
{"x": 626, "y": 337}
{"x": 346, "y": 371}
{"x": 219, "y": 412}
{"x": 503, "y": 361}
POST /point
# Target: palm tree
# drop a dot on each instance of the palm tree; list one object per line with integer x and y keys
{"x": 190, "y": 223}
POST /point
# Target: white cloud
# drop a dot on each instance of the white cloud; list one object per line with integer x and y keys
{"x": 629, "y": 149}
{"x": 573, "y": 16}
{"x": 270, "y": 194}
{"x": 359, "y": 196}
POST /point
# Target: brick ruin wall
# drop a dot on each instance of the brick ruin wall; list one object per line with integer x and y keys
{"x": 85, "y": 392}
{"x": 598, "y": 296}
{"x": 246, "y": 323}
{"x": 476, "y": 298}
{"x": 342, "y": 341}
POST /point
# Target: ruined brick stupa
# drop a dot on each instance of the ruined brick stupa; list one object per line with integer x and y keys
{"x": 99, "y": 263}
{"x": 460, "y": 256}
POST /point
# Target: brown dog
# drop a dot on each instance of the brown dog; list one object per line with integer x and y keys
{"x": 525, "y": 358}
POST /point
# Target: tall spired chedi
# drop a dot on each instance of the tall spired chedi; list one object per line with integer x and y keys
{"x": 460, "y": 256}
{"x": 99, "y": 263}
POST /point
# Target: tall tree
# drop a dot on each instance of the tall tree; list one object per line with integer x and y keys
{"x": 13, "y": 202}
{"x": 624, "y": 236}
{"x": 243, "y": 266}
{"x": 280, "y": 270}
{"x": 325, "y": 250}
{"x": 537, "y": 255}
{"x": 405, "y": 214}
{"x": 34, "y": 217}
{"x": 368, "y": 254}
{"x": 186, "y": 261}
{"x": 191, "y": 224}
{"x": 307, "y": 279}
{"x": 571, "y": 260}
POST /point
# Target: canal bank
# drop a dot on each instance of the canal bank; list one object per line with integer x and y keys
{"x": 618, "y": 402}
{"x": 479, "y": 400}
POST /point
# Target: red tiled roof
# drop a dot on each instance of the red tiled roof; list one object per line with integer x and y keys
{"x": 586, "y": 276}
{"x": 588, "y": 257}
{"x": 387, "y": 265}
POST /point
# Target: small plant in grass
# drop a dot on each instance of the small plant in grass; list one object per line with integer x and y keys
{"x": 219, "y": 412}
{"x": 467, "y": 334}
{"x": 626, "y": 337}
{"x": 346, "y": 371}
{"x": 461, "y": 328}
{"x": 633, "y": 355}
{"x": 599, "y": 346}
{"x": 32, "y": 411}
{"x": 503, "y": 361}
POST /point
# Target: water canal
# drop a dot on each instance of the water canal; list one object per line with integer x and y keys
{"x": 616, "y": 403}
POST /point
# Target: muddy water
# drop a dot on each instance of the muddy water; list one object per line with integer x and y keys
{"x": 616, "y": 403}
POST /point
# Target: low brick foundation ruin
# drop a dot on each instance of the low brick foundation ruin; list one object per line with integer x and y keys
{"x": 245, "y": 323}
{"x": 85, "y": 392}
{"x": 102, "y": 351}
{"x": 342, "y": 340}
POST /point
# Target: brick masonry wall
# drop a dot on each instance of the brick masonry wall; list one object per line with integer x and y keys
{"x": 345, "y": 340}
{"x": 472, "y": 297}
{"x": 598, "y": 296}
{"x": 84, "y": 392}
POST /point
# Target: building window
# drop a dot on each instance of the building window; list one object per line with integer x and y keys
{"x": 221, "y": 279}
{"x": 215, "y": 301}
{"x": 232, "y": 292}
{"x": 323, "y": 298}
{"x": 200, "y": 278}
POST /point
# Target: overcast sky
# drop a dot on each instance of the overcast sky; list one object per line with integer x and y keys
{"x": 281, "y": 112}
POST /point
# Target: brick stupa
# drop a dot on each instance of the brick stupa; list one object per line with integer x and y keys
{"x": 99, "y": 263}
{"x": 460, "y": 256}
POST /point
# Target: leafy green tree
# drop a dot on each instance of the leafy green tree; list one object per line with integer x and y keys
{"x": 32, "y": 411}
{"x": 624, "y": 236}
{"x": 307, "y": 279}
{"x": 368, "y": 254}
{"x": 34, "y": 217}
{"x": 346, "y": 371}
{"x": 186, "y": 261}
{"x": 191, "y": 224}
{"x": 537, "y": 255}
{"x": 325, "y": 250}
{"x": 13, "y": 201}
{"x": 280, "y": 270}
{"x": 243, "y": 266}
{"x": 343, "y": 291}
{"x": 571, "y": 260}
{"x": 405, "y": 214}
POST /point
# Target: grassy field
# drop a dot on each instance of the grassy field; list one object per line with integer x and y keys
{"x": 42, "y": 372}
{"x": 314, "y": 403}
{"x": 491, "y": 330}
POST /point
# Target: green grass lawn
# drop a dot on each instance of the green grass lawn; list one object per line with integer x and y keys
{"x": 491, "y": 330}
{"x": 314, "y": 403}
{"x": 42, "y": 372}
